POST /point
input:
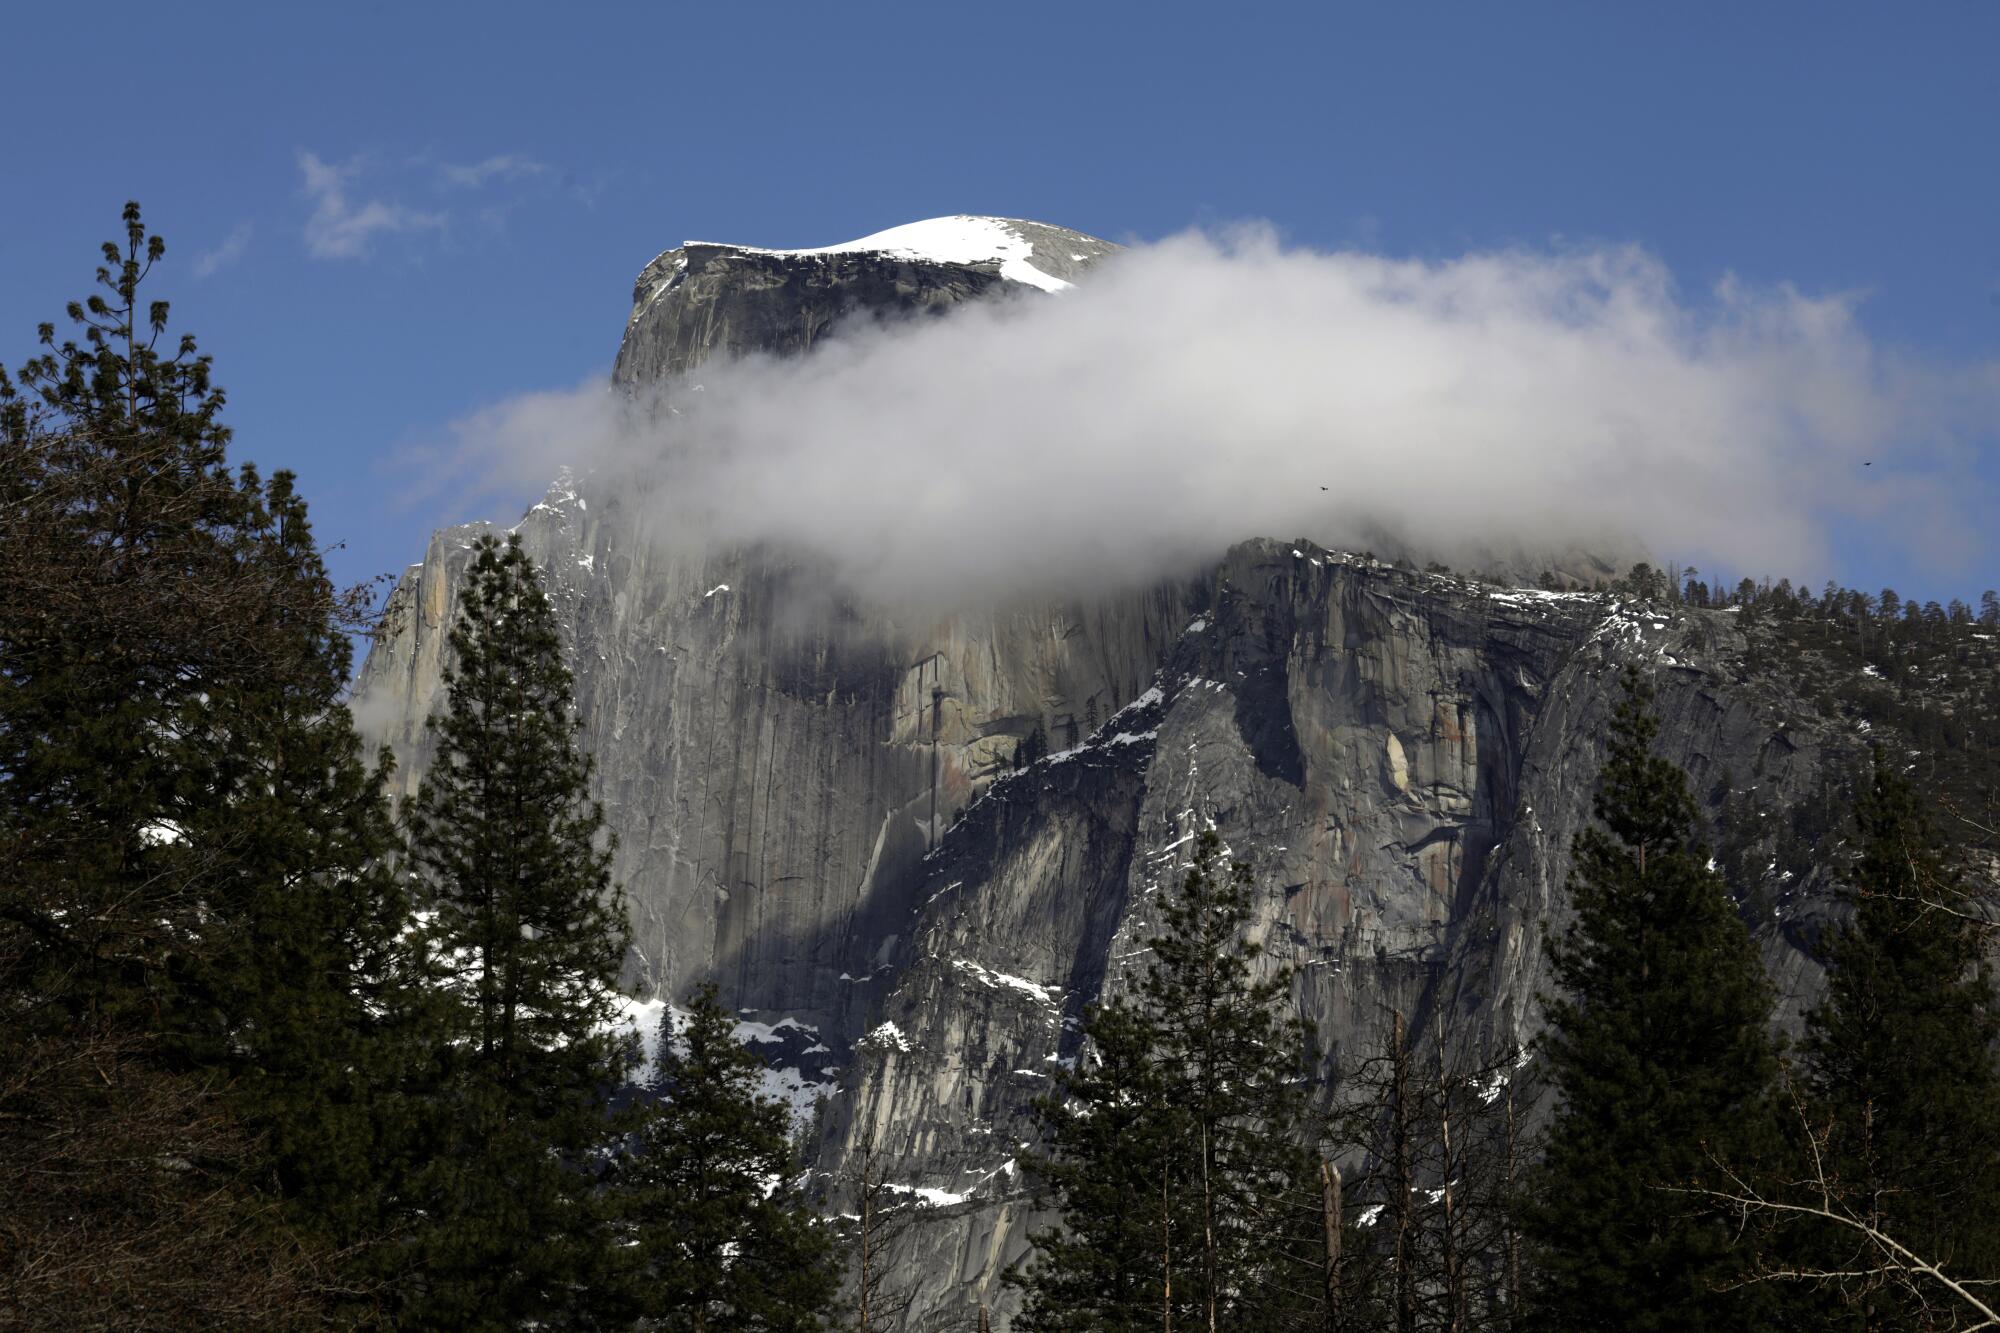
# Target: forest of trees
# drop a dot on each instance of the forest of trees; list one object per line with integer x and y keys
{"x": 273, "y": 1054}
{"x": 1924, "y": 673}
{"x": 1693, "y": 1173}
{"x": 278, "y": 1053}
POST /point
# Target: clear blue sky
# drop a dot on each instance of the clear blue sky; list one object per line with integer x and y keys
{"x": 382, "y": 216}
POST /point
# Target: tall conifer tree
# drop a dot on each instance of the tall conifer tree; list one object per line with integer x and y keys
{"x": 193, "y": 903}
{"x": 1658, "y": 1048}
{"x": 313, "y": 985}
{"x": 724, "y": 1240}
{"x": 1118, "y": 1169}
{"x": 1174, "y": 1152}
{"x": 1900, "y": 1068}
{"x": 523, "y": 942}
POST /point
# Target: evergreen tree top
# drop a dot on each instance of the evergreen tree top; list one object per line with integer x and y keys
{"x": 1659, "y": 1048}
{"x": 118, "y": 381}
{"x": 1642, "y": 798}
{"x": 1172, "y": 1144}
{"x": 197, "y": 887}
{"x": 522, "y": 950}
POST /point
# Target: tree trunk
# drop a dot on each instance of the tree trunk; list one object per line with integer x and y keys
{"x": 1448, "y": 1253}
{"x": 1402, "y": 1167}
{"x": 867, "y": 1232}
{"x": 1329, "y": 1181}
{"x": 1208, "y": 1230}
{"x": 1166, "y": 1257}
{"x": 1512, "y": 1236}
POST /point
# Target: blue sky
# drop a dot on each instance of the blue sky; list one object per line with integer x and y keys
{"x": 381, "y": 217}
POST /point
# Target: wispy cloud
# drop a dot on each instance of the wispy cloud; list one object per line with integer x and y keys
{"x": 233, "y": 245}
{"x": 1204, "y": 389}
{"x": 341, "y": 228}
{"x": 500, "y": 167}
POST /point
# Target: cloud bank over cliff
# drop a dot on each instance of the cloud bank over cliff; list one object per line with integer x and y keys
{"x": 1209, "y": 388}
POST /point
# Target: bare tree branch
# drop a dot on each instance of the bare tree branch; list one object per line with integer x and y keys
{"x": 1893, "y": 1260}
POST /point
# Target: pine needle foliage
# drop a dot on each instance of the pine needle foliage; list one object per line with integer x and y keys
{"x": 194, "y": 901}
{"x": 1171, "y": 1149}
{"x": 522, "y": 943}
{"x": 1899, "y": 1064}
{"x": 708, "y": 1187}
{"x": 1658, "y": 1048}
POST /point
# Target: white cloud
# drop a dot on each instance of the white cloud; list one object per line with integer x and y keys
{"x": 339, "y": 228}
{"x": 1202, "y": 390}
{"x": 502, "y": 167}
{"x": 225, "y": 254}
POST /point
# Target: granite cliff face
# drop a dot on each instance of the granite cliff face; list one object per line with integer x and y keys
{"x": 817, "y": 805}
{"x": 704, "y": 300}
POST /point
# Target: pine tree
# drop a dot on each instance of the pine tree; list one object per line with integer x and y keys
{"x": 1033, "y": 749}
{"x": 724, "y": 1239}
{"x": 1185, "y": 1196}
{"x": 1659, "y": 1051}
{"x": 194, "y": 899}
{"x": 1899, "y": 1062}
{"x": 1118, "y": 1169}
{"x": 127, "y": 585}
{"x": 314, "y": 984}
{"x": 523, "y": 943}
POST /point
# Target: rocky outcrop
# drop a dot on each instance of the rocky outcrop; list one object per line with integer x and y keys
{"x": 817, "y": 803}
{"x": 703, "y": 300}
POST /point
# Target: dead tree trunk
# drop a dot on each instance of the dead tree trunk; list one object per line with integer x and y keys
{"x": 879, "y": 1300}
{"x": 1450, "y": 1257}
{"x": 1329, "y": 1180}
{"x": 1511, "y": 1237}
{"x": 1402, "y": 1178}
{"x": 869, "y": 1183}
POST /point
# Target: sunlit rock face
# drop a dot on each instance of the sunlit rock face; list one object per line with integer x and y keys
{"x": 817, "y": 803}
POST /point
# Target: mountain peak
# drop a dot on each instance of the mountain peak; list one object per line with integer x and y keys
{"x": 707, "y": 298}
{"x": 1028, "y": 252}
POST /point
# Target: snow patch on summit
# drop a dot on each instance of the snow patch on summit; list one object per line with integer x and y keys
{"x": 959, "y": 239}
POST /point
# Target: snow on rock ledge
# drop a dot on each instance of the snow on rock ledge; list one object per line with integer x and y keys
{"x": 708, "y": 299}
{"x": 959, "y": 239}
